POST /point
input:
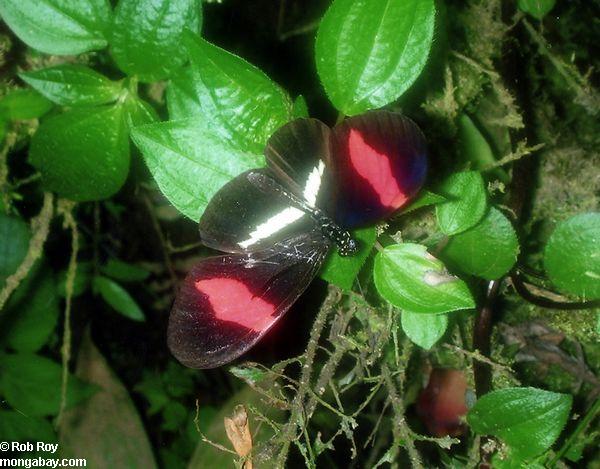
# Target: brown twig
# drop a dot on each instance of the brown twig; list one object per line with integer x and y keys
{"x": 522, "y": 288}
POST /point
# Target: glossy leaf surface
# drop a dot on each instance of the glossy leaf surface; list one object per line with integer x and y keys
{"x": 529, "y": 420}
{"x": 410, "y": 278}
{"x": 572, "y": 255}
{"x": 147, "y": 35}
{"x": 467, "y": 202}
{"x": 61, "y": 27}
{"x": 73, "y": 85}
{"x": 369, "y": 53}
{"x": 190, "y": 164}
{"x": 487, "y": 250}
{"x": 232, "y": 96}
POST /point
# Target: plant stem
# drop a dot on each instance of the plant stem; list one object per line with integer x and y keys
{"x": 581, "y": 426}
{"x": 289, "y": 430}
{"x": 40, "y": 226}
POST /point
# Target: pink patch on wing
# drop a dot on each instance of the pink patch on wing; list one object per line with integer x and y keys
{"x": 231, "y": 300}
{"x": 375, "y": 168}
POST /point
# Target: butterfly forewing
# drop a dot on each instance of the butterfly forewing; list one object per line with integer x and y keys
{"x": 250, "y": 213}
{"x": 297, "y": 155}
{"x": 378, "y": 163}
{"x": 227, "y": 303}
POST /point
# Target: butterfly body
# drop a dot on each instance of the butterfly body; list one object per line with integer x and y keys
{"x": 276, "y": 225}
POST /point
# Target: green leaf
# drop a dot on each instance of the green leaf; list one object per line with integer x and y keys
{"x": 410, "y": 278}
{"x": 31, "y": 313}
{"x": 537, "y": 8}
{"x": 424, "y": 329}
{"x": 60, "y": 27}
{"x": 369, "y": 53}
{"x": 572, "y": 255}
{"x": 232, "y": 96}
{"x": 424, "y": 199}
{"x": 299, "y": 108}
{"x": 190, "y": 164}
{"x": 467, "y": 204}
{"x": 249, "y": 374}
{"x": 147, "y": 35}
{"x": 529, "y": 420}
{"x": 16, "y": 426}
{"x": 123, "y": 271}
{"x": 15, "y": 236}
{"x": 83, "y": 154}
{"x": 24, "y": 104}
{"x": 32, "y": 384}
{"x": 487, "y": 250}
{"x": 475, "y": 149}
{"x": 342, "y": 271}
{"x": 116, "y": 296}
{"x": 73, "y": 85}
{"x": 139, "y": 112}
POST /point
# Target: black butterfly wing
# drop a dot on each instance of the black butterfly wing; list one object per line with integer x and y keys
{"x": 250, "y": 213}
{"x": 227, "y": 303}
{"x": 297, "y": 154}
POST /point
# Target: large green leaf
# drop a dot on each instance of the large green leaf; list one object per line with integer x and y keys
{"x": 467, "y": 202}
{"x": 234, "y": 97}
{"x": 73, "y": 85}
{"x": 24, "y": 104}
{"x": 15, "y": 236}
{"x": 487, "y": 250}
{"x": 424, "y": 329}
{"x": 83, "y": 154}
{"x": 147, "y": 34}
{"x": 31, "y": 313}
{"x": 410, "y": 278}
{"x": 529, "y": 420}
{"x": 61, "y": 27}
{"x": 572, "y": 255}
{"x": 116, "y": 296}
{"x": 369, "y": 53}
{"x": 106, "y": 429}
{"x": 32, "y": 384}
{"x": 190, "y": 164}
{"x": 342, "y": 271}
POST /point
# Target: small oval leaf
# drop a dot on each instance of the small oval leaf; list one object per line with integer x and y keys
{"x": 487, "y": 250}
{"x": 424, "y": 329}
{"x": 410, "y": 278}
{"x": 116, "y": 296}
{"x": 467, "y": 202}
{"x": 73, "y": 85}
{"x": 369, "y": 53}
{"x": 529, "y": 420}
{"x": 572, "y": 255}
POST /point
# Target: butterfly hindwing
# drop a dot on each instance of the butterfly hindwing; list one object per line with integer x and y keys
{"x": 379, "y": 161}
{"x": 227, "y": 303}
